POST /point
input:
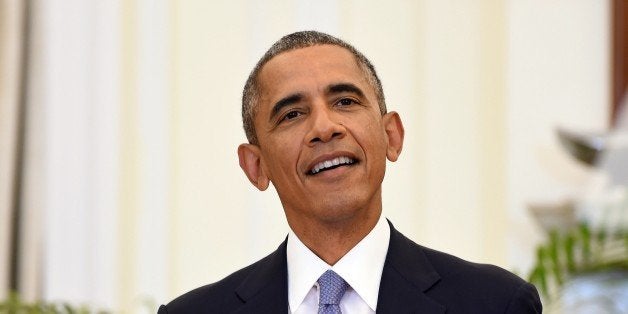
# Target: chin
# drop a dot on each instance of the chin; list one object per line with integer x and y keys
{"x": 336, "y": 209}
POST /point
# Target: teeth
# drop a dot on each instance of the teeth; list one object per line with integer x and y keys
{"x": 330, "y": 163}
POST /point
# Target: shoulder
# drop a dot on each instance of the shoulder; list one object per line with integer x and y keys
{"x": 465, "y": 287}
{"x": 221, "y": 296}
{"x": 453, "y": 268}
{"x": 480, "y": 286}
{"x": 464, "y": 274}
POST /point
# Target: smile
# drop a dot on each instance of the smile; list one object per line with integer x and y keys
{"x": 331, "y": 164}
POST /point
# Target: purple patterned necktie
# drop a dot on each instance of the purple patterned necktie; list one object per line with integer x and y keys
{"x": 332, "y": 287}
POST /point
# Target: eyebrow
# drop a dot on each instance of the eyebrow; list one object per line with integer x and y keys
{"x": 286, "y": 101}
{"x": 344, "y": 88}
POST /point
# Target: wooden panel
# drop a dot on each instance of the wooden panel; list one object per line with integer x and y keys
{"x": 620, "y": 55}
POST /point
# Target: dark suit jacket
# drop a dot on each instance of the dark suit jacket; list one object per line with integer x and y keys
{"x": 415, "y": 280}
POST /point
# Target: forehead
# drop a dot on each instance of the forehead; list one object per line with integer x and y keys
{"x": 310, "y": 67}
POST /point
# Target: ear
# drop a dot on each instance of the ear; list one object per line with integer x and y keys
{"x": 394, "y": 133}
{"x": 250, "y": 162}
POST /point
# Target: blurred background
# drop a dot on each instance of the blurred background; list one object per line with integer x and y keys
{"x": 119, "y": 122}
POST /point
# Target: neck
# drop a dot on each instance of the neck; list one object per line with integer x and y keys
{"x": 332, "y": 239}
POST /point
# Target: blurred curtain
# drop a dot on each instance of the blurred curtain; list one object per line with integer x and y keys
{"x": 94, "y": 165}
{"x": 11, "y": 75}
{"x": 93, "y": 154}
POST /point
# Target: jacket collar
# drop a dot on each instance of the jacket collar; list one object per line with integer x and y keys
{"x": 407, "y": 275}
{"x": 265, "y": 290}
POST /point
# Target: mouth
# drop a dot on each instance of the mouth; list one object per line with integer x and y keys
{"x": 330, "y": 164}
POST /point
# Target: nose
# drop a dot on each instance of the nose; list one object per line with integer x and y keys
{"x": 324, "y": 126}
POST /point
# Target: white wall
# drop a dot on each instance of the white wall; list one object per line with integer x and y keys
{"x": 558, "y": 75}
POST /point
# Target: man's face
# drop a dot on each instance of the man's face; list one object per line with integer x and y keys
{"x": 322, "y": 140}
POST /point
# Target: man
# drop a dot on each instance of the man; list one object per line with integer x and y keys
{"x": 315, "y": 117}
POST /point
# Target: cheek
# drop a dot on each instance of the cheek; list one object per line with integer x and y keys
{"x": 373, "y": 139}
{"x": 375, "y": 148}
{"x": 282, "y": 160}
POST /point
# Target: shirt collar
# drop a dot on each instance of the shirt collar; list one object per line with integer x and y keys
{"x": 361, "y": 267}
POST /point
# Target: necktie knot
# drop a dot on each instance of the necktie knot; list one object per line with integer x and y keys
{"x": 332, "y": 288}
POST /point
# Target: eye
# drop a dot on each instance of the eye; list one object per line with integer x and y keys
{"x": 346, "y": 102}
{"x": 291, "y": 115}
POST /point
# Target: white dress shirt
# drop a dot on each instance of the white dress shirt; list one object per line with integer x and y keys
{"x": 361, "y": 268}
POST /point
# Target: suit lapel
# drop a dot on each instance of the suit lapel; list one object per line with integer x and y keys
{"x": 407, "y": 275}
{"x": 265, "y": 290}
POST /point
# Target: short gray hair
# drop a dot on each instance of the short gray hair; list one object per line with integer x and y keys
{"x": 250, "y": 94}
